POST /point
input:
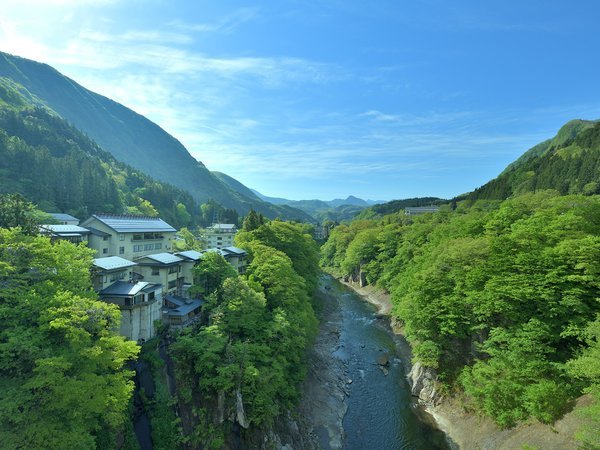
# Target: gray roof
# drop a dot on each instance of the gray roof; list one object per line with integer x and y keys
{"x": 184, "y": 305}
{"x": 133, "y": 224}
{"x": 223, "y": 226}
{"x": 190, "y": 254}
{"x": 235, "y": 250}
{"x": 163, "y": 258}
{"x": 65, "y": 229}
{"x": 113, "y": 263}
{"x": 64, "y": 217}
{"x": 98, "y": 232}
{"x": 125, "y": 289}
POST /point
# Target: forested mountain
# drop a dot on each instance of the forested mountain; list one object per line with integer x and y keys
{"x": 129, "y": 137}
{"x": 568, "y": 163}
{"x": 54, "y": 165}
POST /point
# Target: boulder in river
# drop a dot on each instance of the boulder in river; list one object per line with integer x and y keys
{"x": 383, "y": 360}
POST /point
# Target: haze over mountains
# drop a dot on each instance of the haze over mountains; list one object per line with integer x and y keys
{"x": 130, "y": 137}
{"x": 568, "y": 162}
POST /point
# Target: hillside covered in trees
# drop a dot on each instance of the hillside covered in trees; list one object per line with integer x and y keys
{"x": 568, "y": 163}
{"x": 498, "y": 292}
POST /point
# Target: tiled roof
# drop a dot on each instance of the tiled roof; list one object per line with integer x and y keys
{"x": 100, "y": 233}
{"x": 61, "y": 229}
{"x": 184, "y": 305}
{"x": 190, "y": 254}
{"x": 113, "y": 263}
{"x": 223, "y": 226}
{"x": 124, "y": 289}
{"x": 163, "y": 258}
{"x": 134, "y": 224}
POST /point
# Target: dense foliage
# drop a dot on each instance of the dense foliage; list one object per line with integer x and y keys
{"x": 496, "y": 296}
{"x": 62, "y": 377}
{"x": 252, "y": 350}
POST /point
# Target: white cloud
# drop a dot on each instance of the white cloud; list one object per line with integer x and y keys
{"x": 226, "y": 24}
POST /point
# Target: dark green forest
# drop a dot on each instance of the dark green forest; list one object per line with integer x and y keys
{"x": 52, "y": 164}
{"x": 568, "y": 163}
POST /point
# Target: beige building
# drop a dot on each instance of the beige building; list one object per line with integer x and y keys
{"x": 140, "y": 302}
{"x": 220, "y": 235}
{"x": 129, "y": 237}
{"x": 163, "y": 268}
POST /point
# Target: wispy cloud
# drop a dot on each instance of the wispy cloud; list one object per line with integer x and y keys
{"x": 225, "y": 25}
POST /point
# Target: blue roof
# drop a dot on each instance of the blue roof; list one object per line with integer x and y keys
{"x": 184, "y": 305}
{"x": 162, "y": 258}
{"x": 133, "y": 224}
{"x": 63, "y": 229}
{"x": 113, "y": 263}
{"x": 190, "y": 254}
{"x": 125, "y": 289}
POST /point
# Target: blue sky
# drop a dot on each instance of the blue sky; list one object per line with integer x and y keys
{"x": 323, "y": 99}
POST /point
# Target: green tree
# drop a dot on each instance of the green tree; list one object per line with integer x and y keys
{"x": 211, "y": 272}
{"x": 62, "y": 377}
{"x": 586, "y": 367}
{"x": 16, "y": 211}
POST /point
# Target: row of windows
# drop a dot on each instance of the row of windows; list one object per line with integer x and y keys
{"x": 144, "y": 247}
{"x": 141, "y": 236}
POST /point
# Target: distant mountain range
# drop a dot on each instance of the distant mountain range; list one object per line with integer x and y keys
{"x": 129, "y": 137}
{"x": 336, "y": 210}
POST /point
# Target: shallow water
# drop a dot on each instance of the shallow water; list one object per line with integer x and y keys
{"x": 380, "y": 412}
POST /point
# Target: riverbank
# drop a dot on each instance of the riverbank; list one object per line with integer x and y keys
{"x": 470, "y": 431}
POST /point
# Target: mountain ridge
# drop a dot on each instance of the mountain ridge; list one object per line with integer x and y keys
{"x": 129, "y": 136}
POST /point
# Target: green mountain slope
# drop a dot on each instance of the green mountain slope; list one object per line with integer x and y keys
{"x": 568, "y": 163}
{"x": 57, "y": 167}
{"x": 128, "y": 136}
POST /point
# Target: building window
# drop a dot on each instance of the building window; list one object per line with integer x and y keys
{"x": 104, "y": 251}
{"x": 121, "y": 237}
{"x": 121, "y": 250}
{"x": 138, "y": 248}
{"x": 173, "y": 269}
{"x": 149, "y": 247}
{"x": 155, "y": 271}
{"x": 157, "y": 246}
{"x": 105, "y": 238}
{"x": 172, "y": 284}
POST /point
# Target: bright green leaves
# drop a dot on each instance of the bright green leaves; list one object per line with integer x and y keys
{"x": 259, "y": 327}
{"x": 504, "y": 291}
{"x": 62, "y": 381}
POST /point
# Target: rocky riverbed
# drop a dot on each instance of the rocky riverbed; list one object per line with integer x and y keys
{"x": 466, "y": 430}
{"x": 355, "y": 395}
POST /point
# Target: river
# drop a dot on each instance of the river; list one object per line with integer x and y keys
{"x": 380, "y": 413}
